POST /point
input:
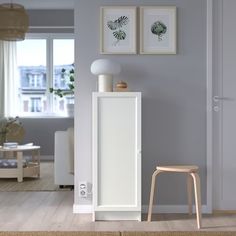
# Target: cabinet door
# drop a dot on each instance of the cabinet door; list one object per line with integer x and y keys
{"x": 117, "y": 151}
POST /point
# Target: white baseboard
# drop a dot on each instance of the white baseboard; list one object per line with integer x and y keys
{"x": 82, "y": 209}
{"x": 85, "y": 209}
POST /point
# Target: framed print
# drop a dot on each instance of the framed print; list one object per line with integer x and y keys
{"x": 158, "y": 30}
{"x": 118, "y": 30}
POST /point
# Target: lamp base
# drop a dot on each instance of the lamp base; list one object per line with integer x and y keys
{"x": 105, "y": 83}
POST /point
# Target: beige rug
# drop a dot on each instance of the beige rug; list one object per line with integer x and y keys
{"x": 44, "y": 183}
{"x": 94, "y": 233}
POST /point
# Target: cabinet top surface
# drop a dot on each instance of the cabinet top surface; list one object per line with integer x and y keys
{"x": 116, "y": 94}
{"x": 19, "y": 148}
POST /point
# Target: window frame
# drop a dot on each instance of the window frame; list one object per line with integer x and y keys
{"x": 49, "y": 37}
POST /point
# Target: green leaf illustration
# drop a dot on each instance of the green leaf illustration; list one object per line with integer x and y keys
{"x": 119, "y": 35}
{"x": 114, "y": 25}
{"x": 123, "y": 20}
{"x": 117, "y": 25}
{"x": 159, "y": 28}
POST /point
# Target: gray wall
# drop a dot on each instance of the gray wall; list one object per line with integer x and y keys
{"x": 41, "y": 131}
{"x": 174, "y": 96}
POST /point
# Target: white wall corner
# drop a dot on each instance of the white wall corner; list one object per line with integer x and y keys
{"x": 82, "y": 209}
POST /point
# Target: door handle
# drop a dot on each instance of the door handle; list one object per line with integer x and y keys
{"x": 217, "y": 99}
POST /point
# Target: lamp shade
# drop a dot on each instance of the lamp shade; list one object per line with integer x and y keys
{"x": 14, "y": 22}
{"x": 105, "y": 67}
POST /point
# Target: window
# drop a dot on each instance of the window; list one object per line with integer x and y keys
{"x": 40, "y": 61}
{"x": 36, "y": 104}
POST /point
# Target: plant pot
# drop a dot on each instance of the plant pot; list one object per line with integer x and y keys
{"x": 70, "y": 109}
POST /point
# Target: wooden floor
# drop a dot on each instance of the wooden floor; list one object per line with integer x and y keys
{"x": 52, "y": 211}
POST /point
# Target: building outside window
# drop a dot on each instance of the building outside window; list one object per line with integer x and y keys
{"x": 36, "y": 104}
{"x": 40, "y": 60}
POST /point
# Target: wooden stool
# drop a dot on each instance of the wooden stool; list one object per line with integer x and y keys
{"x": 193, "y": 177}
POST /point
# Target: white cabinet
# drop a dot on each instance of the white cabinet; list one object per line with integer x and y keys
{"x": 117, "y": 156}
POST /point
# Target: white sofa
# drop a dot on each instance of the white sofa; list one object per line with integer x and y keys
{"x": 64, "y": 157}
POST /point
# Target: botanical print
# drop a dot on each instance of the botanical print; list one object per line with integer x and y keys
{"x": 159, "y": 28}
{"x": 157, "y": 31}
{"x": 117, "y": 25}
{"x": 118, "y": 30}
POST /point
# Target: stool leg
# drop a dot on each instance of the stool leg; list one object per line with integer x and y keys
{"x": 197, "y": 191}
{"x": 152, "y": 194}
{"x": 190, "y": 194}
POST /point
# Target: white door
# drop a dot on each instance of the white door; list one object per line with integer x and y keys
{"x": 224, "y": 107}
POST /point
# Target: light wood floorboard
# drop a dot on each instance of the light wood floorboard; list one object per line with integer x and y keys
{"x": 52, "y": 211}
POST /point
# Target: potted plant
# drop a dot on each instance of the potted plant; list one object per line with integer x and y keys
{"x": 11, "y": 129}
{"x": 68, "y": 77}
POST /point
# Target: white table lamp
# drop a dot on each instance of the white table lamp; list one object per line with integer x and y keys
{"x": 105, "y": 69}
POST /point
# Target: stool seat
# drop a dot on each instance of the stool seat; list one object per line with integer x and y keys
{"x": 193, "y": 180}
{"x": 182, "y": 169}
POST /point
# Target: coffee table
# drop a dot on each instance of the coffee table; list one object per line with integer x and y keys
{"x": 31, "y": 169}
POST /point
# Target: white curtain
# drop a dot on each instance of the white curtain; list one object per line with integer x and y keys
{"x": 1, "y": 81}
{"x": 8, "y": 79}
